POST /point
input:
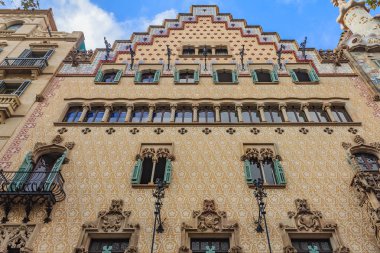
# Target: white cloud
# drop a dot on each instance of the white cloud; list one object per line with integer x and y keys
{"x": 96, "y": 23}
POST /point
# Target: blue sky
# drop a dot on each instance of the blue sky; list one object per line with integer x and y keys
{"x": 117, "y": 19}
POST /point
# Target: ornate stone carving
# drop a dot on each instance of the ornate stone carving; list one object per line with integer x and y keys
{"x": 75, "y": 57}
{"x": 148, "y": 152}
{"x": 359, "y": 140}
{"x": 57, "y": 139}
{"x": 210, "y": 221}
{"x": 306, "y": 223}
{"x": 254, "y": 153}
{"x": 17, "y": 237}
{"x": 333, "y": 56}
{"x": 115, "y": 222}
{"x": 70, "y": 145}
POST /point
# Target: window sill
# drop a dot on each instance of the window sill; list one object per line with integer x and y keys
{"x": 141, "y": 83}
{"x": 193, "y": 83}
{"x": 202, "y": 56}
{"x": 307, "y": 83}
{"x": 218, "y": 124}
{"x": 147, "y": 186}
{"x": 266, "y": 83}
{"x": 270, "y": 186}
{"x": 106, "y": 83}
{"x": 226, "y": 83}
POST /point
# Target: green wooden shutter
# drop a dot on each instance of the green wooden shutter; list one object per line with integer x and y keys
{"x": 48, "y": 54}
{"x": 215, "y": 77}
{"x": 54, "y": 172}
{"x": 294, "y": 76}
{"x": 248, "y": 172}
{"x": 22, "y": 88}
{"x": 210, "y": 250}
{"x": 99, "y": 76}
{"x": 313, "y": 249}
{"x": 274, "y": 76}
{"x": 279, "y": 171}
{"x": 157, "y": 76}
{"x": 196, "y": 76}
{"x": 235, "y": 78}
{"x": 25, "y": 54}
{"x": 138, "y": 75}
{"x": 22, "y": 174}
{"x": 313, "y": 76}
{"x": 2, "y": 87}
{"x": 107, "y": 249}
{"x": 136, "y": 176}
{"x": 254, "y": 76}
{"x": 118, "y": 76}
{"x": 168, "y": 171}
{"x": 176, "y": 76}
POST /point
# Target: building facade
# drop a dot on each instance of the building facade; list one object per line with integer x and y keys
{"x": 210, "y": 105}
{"x": 31, "y": 51}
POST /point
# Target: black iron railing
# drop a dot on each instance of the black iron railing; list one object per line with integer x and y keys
{"x": 32, "y": 183}
{"x": 24, "y": 63}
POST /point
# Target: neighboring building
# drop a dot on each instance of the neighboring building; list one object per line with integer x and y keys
{"x": 209, "y": 126}
{"x": 361, "y": 39}
{"x": 31, "y": 50}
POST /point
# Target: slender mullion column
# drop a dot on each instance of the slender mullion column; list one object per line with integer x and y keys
{"x": 85, "y": 110}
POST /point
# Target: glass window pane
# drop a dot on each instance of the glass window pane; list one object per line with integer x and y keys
{"x": 268, "y": 116}
{"x": 99, "y": 116}
{"x": 178, "y": 117}
{"x": 313, "y": 115}
{"x": 233, "y": 116}
{"x": 166, "y": 117}
{"x": 210, "y": 116}
{"x": 202, "y": 117}
{"x": 157, "y": 116}
{"x": 122, "y": 116}
{"x": 256, "y": 170}
{"x": 114, "y": 116}
{"x": 255, "y": 116}
{"x": 268, "y": 167}
{"x": 224, "y": 117}
{"x": 188, "y": 117}
{"x": 292, "y": 115}
{"x": 301, "y": 116}
{"x": 145, "y": 116}
{"x": 90, "y": 116}
{"x": 136, "y": 116}
{"x": 322, "y": 116}
{"x": 276, "y": 116}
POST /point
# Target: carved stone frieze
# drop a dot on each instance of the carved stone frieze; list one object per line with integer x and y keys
{"x": 333, "y": 56}
{"x": 17, "y": 236}
{"x": 306, "y": 223}
{"x": 112, "y": 221}
{"x": 75, "y": 57}
{"x": 259, "y": 154}
{"x": 210, "y": 221}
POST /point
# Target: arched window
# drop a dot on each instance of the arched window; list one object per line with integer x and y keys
{"x": 206, "y": 114}
{"x": 73, "y": 114}
{"x": 317, "y": 114}
{"x": 295, "y": 114}
{"x": 251, "y": 114}
{"x": 273, "y": 114}
{"x": 95, "y": 114}
{"x": 153, "y": 165}
{"x": 228, "y": 114}
{"x": 162, "y": 114}
{"x": 118, "y": 114}
{"x": 367, "y": 162}
{"x": 14, "y": 27}
{"x": 184, "y": 114}
{"x": 140, "y": 114}
{"x": 263, "y": 169}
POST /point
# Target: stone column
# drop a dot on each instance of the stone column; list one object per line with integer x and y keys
{"x": 239, "y": 109}
{"x": 173, "y": 108}
{"x": 283, "y": 111}
{"x": 128, "y": 117}
{"x": 195, "y": 112}
{"x": 217, "y": 112}
{"x": 305, "y": 109}
{"x": 151, "y": 111}
{"x": 327, "y": 108}
{"x": 3, "y": 117}
{"x": 108, "y": 109}
{"x": 85, "y": 110}
{"x": 260, "y": 107}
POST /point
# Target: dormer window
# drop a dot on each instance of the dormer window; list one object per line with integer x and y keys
{"x": 14, "y": 27}
{"x": 225, "y": 76}
{"x": 264, "y": 76}
{"x": 304, "y": 76}
{"x": 202, "y": 49}
{"x": 221, "y": 51}
{"x": 148, "y": 76}
{"x": 186, "y": 76}
{"x": 188, "y": 51}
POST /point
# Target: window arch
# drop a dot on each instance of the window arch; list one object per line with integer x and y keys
{"x": 15, "y": 26}
{"x": 367, "y": 161}
{"x": 153, "y": 164}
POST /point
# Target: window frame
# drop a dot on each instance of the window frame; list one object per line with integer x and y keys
{"x": 336, "y": 110}
{"x": 183, "y": 110}
{"x": 163, "y": 109}
{"x": 366, "y": 155}
{"x": 206, "y": 109}
{"x": 294, "y": 109}
{"x": 22, "y": 87}
{"x": 120, "y": 110}
{"x": 98, "y": 109}
{"x": 314, "y": 109}
{"x": 143, "y": 109}
{"x": 270, "y": 109}
{"x": 229, "y": 109}
{"x": 78, "y": 113}
{"x": 250, "y": 114}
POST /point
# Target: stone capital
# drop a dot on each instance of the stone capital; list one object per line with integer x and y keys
{"x": 195, "y": 106}
{"x": 282, "y": 105}
{"x": 86, "y": 106}
{"x": 129, "y": 106}
{"x": 108, "y": 106}
{"x": 326, "y": 106}
{"x": 238, "y": 106}
{"x": 173, "y": 106}
{"x": 260, "y": 106}
{"x": 305, "y": 106}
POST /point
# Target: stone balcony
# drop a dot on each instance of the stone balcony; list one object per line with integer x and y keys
{"x": 8, "y": 106}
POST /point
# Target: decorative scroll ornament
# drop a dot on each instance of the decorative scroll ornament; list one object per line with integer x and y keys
{"x": 113, "y": 221}
{"x": 307, "y": 223}
{"x": 209, "y": 221}
{"x": 256, "y": 154}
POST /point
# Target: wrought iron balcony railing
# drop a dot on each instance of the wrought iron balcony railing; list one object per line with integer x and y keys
{"x": 30, "y": 189}
{"x": 17, "y": 62}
